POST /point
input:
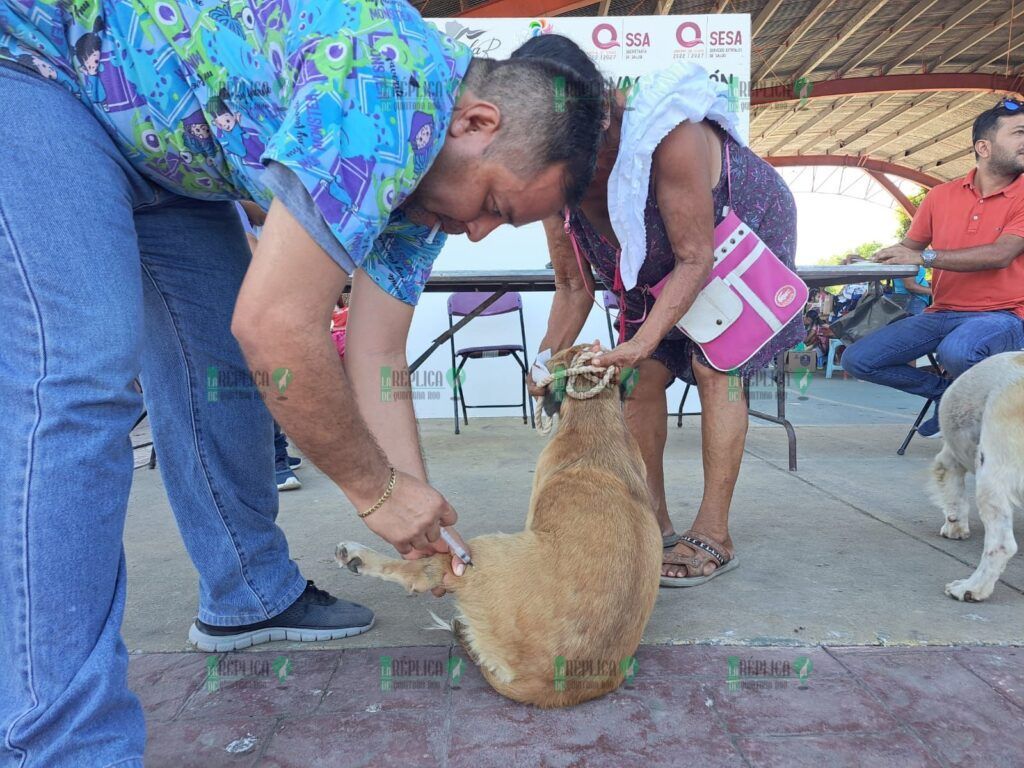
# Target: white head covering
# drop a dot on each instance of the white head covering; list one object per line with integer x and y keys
{"x": 657, "y": 104}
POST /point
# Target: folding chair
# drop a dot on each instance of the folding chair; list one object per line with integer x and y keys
{"x": 924, "y": 411}
{"x": 461, "y": 304}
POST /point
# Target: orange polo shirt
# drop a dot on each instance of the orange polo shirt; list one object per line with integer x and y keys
{"x": 953, "y": 216}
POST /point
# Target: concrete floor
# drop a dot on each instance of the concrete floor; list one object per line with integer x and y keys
{"x": 844, "y": 552}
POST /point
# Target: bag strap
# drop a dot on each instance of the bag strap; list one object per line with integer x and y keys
{"x": 617, "y": 287}
{"x": 728, "y": 171}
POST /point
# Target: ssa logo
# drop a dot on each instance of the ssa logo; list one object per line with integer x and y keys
{"x": 688, "y": 35}
{"x": 638, "y": 40}
{"x": 605, "y": 36}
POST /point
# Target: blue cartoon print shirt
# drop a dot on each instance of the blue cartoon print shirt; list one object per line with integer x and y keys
{"x": 353, "y": 98}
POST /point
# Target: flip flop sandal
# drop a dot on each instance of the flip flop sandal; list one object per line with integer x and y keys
{"x": 706, "y": 550}
{"x": 669, "y": 540}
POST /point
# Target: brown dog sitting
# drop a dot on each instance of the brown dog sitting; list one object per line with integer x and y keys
{"x": 553, "y": 615}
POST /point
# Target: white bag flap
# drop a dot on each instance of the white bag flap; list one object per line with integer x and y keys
{"x": 716, "y": 308}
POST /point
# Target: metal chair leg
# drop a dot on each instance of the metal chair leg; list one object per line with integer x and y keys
{"x": 679, "y": 416}
{"x": 913, "y": 430}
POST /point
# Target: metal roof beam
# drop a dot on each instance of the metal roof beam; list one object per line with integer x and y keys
{"x": 854, "y": 23}
{"x": 897, "y": 194}
{"x": 1001, "y": 55}
{"x": 764, "y": 16}
{"x": 852, "y": 161}
{"x": 918, "y": 124}
{"x": 895, "y": 30}
{"x": 880, "y": 122}
{"x": 720, "y": 6}
{"x": 816, "y": 140}
{"x": 852, "y": 86}
{"x": 931, "y": 36}
{"x": 790, "y": 136}
{"x": 933, "y": 141}
{"x": 957, "y": 48}
{"x": 789, "y": 113}
{"x": 794, "y": 37}
{"x": 602, "y": 9}
{"x": 947, "y": 159}
{"x": 526, "y": 8}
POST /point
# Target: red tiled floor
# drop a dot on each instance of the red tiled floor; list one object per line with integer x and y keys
{"x": 894, "y": 748}
{"x": 379, "y": 739}
{"x": 206, "y": 743}
{"x": 1002, "y": 668}
{"x": 163, "y": 681}
{"x": 357, "y": 685}
{"x": 860, "y": 706}
{"x": 963, "y": 719}
{"x": 259, "y": 692}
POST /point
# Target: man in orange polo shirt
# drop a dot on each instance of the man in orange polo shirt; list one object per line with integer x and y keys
{"x": 975, "y": 229}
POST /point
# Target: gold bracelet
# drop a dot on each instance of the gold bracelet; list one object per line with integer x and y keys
{"x": 382, "y": 499}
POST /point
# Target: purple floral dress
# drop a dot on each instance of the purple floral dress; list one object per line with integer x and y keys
{"x": 760, "y": 197}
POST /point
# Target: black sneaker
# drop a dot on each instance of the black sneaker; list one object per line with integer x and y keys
{"x": 316, "y": 615}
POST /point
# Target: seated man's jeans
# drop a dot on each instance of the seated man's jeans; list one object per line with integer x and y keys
{"x": 104, "y": 275}
{"x": 958, "y": 339}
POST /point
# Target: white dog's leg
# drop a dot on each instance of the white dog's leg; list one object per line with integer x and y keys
{"x": 995, "y": 505}
{"x": 950, "y": 492}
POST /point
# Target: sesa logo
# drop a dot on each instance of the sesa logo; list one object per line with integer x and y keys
{"x": 724, "y": 38}
{"x": 638, "y": 40}
{"x": 688, "y": 34}
{"x": 605, "y": 36}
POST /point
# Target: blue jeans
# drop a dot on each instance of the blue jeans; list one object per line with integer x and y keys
{"x": 104, "y": 275}
{"x": 958, "y": 339}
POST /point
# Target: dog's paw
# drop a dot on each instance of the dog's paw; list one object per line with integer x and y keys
{"x": 955, "y": 529}
{"x": 350, "y": 555}
{"x": 961, "y": 590}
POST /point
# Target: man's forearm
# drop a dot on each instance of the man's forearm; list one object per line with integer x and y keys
{"x": 383, "y": 391}
{"x": 318, "y": 410}
{"x": 977, "y": 259}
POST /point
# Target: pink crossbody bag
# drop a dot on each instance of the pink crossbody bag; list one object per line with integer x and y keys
{"x": 748, "y": 299}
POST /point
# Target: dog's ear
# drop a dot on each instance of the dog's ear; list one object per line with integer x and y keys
{"x": 555, "y": 393}
{"x": 628, "y": 378}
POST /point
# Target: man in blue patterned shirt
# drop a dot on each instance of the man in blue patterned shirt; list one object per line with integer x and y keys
{"x": 130, "y": 126}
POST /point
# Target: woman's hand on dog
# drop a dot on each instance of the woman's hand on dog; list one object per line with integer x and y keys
{"x": 628, "y": 354}
{"x": 411, "y": 519}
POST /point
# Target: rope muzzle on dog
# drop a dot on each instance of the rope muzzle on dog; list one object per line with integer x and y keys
{"x": 577, "y": 378}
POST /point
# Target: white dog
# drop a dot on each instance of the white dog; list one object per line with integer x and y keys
{"x": 982, "y": 419}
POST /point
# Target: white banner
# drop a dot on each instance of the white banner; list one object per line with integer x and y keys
{"x": 628, "y": 47}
